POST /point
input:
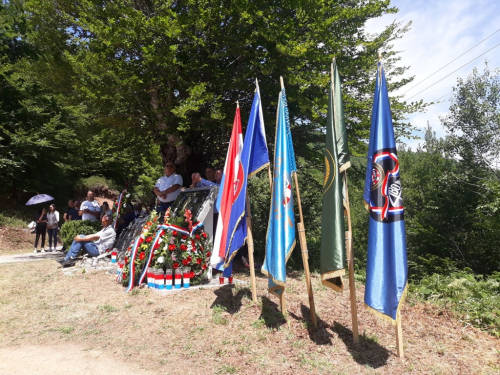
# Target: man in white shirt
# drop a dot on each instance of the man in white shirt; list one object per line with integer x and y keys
{"x": 168, "y": 187}
{"x": 90, "y": 209}
{"x": 94, "y": 244}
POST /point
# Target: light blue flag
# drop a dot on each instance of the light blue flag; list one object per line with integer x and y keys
{"x": 387, "y": 266}
{"x": 281, "y": 230}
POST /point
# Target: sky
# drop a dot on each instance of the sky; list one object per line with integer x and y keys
{"x": 441, "y": 31}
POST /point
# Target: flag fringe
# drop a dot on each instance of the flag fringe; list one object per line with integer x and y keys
{"x": 325, "y": 277}
{"x": 258, "y": 170}
{"x": 344, "y": 166}
{"x": 386, "y": 317}
{"x": 227, "y": 261}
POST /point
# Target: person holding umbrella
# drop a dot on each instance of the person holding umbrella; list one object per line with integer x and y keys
{"x": 40, "y": 229}
{"x": 40, "y": 219}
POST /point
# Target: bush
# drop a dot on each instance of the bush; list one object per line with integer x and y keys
{"x": 71, "y": 229}
{"x": 473, "y": 298}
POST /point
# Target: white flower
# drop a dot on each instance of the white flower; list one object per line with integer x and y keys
{"x": 124, "y": 205}
{"x": 128, "y": 195}
{"x": 160, "y": 240}
{"x": 161, "y": 259}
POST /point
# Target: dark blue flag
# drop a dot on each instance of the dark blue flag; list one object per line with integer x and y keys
{"x": 386, "y": 267}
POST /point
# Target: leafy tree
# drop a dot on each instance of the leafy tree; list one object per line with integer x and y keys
{"x": 174, "y": 69}
{"x": 473, "y": 123}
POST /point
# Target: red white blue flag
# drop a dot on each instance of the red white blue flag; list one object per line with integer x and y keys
{"x": 231, "y": 227}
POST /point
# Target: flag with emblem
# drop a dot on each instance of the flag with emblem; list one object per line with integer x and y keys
{"x": 231, "y": 226}
{"x": 386, "y": 267}
{"x": 281, "y": 230}
{"x": 332, "y": 254}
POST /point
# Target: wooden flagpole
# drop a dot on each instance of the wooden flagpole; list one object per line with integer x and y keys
{"x": 350, "y": 260}
{"x": 250, "y": 251}
{"x": 303, "y": 248}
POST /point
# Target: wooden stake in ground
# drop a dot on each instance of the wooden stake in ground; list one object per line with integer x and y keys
{"x": 350, "y": 260}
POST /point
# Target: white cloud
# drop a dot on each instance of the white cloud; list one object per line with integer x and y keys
{"x": 441, "y": 31}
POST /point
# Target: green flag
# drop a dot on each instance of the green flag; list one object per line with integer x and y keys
{"x": 339, "y": 119}
{"x": 333, "y": 260}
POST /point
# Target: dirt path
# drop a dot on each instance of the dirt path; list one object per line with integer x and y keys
{"x": 62, "y": 360}
{"x": 44, "y": 313}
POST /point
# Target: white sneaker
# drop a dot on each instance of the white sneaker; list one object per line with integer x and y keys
{"x": 35, "y": 251}
{"x": 43, "y": 250}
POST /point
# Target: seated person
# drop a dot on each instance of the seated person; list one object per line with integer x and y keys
{"x": 125, "y": 220}
{"x": 139, "y": 211}
{"x": 94, "y": 244}
{"x": 105, "y": 210}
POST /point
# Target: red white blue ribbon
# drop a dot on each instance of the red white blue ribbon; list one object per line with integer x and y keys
{"x": 137, "y": 243}
{"x": 159, "y": 232}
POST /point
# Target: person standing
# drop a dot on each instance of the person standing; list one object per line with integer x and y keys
{"x": 52, "y": 226}
{"x": 90, "y": 209}
{"x": 40, "y": 229}
{"x": 73, "y": 213}
{"x": 168, "y": 187}
{"x": 71, "y": 205}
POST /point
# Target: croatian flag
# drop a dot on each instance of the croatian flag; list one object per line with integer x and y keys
{"x": 281, "y": 230}
{"x": 386, "y": 266}
{"x": 231, "y": 227}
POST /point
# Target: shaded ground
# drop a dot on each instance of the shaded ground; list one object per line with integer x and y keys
{"x": 221, "y": 331}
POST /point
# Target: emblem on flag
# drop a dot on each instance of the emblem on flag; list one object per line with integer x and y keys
{"x": 287, "y": 192}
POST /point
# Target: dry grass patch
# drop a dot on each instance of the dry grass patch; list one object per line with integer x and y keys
{"x": 221, "y": 331}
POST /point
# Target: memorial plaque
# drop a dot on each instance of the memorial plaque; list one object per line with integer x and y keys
{"x": 200, "y": 201}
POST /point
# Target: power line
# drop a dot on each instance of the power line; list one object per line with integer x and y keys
{"x": 454, "y": 71}
{"x": 425, "y": 79}
{"x": 441, "y": 97}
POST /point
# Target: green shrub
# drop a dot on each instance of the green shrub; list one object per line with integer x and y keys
{"x": 71, "y": 229}
{"x": 473, "y": 298}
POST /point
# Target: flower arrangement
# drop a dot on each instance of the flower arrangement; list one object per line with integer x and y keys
{"x": 184, "y": 245}
{"x": 176, "y": 244}
{"x": 139, "y": 255}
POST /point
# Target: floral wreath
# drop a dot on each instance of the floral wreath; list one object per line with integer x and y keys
{"x": 178, "y": 243}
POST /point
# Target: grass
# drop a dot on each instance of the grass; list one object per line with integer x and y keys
{"x": 197, "y": 333}
{"x": 217, "y": 317}
{"x": 15, "y": 219}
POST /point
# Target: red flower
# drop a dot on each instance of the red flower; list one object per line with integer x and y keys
{"x": 149, "y": 239}
{"x": 191, "y": 274}
{"x": 124, "y": 275}
{"x": 203, "y": 266}
{"x": 189, "y": 259}
{"x": 141, "y": 240}
{"x": 208, "y": 254}
{"x": 156, "y": 246}
{"x": 201, "y": 248}
{"x": 184, "y": 236}
{"x": 175, "y": 233}
{"x": 198, "y": 261}
{"x": 129, "y": 248}
{"x": 142, "y": 255}
{"x": 193, "y": 243}
{"x": 204, "y": 235}
{"x": 185, "y": 262}
{"x": 197, "y": 237}
{"x": 184, "y": 247}
{"x": 175, "y": 266}
{"x": 172, "y": 247}
{"x": 149, "y": 223}
{"x": 126, "y": 259}
{"x": 155, "y": 219}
